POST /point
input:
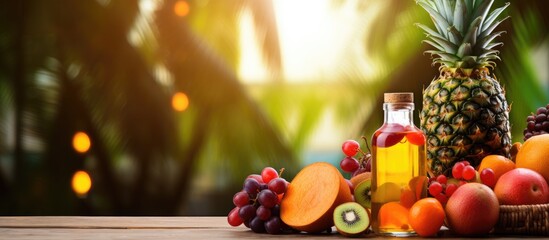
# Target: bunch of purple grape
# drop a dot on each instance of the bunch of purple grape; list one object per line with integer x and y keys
{"x": 258, "y": 204}
{"x": 350, "y": 164}
{"x": 537, "y": 123}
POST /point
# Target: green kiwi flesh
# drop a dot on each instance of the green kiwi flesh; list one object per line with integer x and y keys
{"x": 363, "y": 194}
{"x": 351, "y": 219}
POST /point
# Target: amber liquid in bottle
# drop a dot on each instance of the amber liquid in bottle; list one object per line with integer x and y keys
{"x": 398, "y": 168}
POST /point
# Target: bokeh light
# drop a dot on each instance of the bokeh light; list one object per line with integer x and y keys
{"x": 81, "y": 142}
{"x": 180, "y": 101}
{"x": 181, "y": 8}
{"x": 81, "y": 183}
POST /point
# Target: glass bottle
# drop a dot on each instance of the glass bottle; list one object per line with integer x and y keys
{"x": 398, "y": 167}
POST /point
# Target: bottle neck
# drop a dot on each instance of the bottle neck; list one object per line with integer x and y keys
{"x": 400, "y": 113}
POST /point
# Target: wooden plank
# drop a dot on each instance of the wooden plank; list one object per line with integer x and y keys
{"x": 114, "y": 222}
{"x": 84, "y": 228}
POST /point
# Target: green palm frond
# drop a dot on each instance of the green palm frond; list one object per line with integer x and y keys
{"x": 526, "y": 91}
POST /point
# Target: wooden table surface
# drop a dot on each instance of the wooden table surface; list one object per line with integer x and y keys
{"x": 158, "y": 228}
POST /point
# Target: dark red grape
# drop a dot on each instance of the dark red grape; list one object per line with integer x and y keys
{"x": 247, "y": 212}
{"x": 257, "y": 225}
{"x": 531, "y": 118}
{"x": 350, "y": 148}
{"x": 387, "y": 139}
{"x": 349, "y": 164}
{"x": 241, "y": 198}
{"x": 269, "y": 174}
{"x": 541, "y": 118}
{"x": 267, "y": 198}
{"x": 256, "y": 177}
{"x": 531, "y": 125}
{"x": 234, "y": 218}
{"x": 541, "y": 110}
{"x": 263, "y": 213}
{"x": 274, "y": 225}
{"x": 251, "y": 186}
{"x": 278, "y": 185}
{"x": 275, "y": 211}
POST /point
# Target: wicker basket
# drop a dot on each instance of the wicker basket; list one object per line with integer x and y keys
{"x": 523, "y": 219}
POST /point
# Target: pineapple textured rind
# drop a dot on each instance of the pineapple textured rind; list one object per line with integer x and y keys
{"x": 465, "y": 115}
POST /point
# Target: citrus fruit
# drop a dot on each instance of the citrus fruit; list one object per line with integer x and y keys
{"x": 499, "y": 164}
{"x": 393, "y": 215}
{"x": 534, "y": 154}
{"x": 426, "y": 217}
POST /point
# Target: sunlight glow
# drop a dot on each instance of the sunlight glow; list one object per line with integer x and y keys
{"x": 180, "y": 101}
{"x": 181, "y": 8}
{"x": 81, "y": 142}
{"x": 319, "y": 41}
{"x": 81, "y": 183}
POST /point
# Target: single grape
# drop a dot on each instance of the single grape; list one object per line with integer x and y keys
{"x": 241, "y": 198}
{"x": 531, "y": 118}
{"x": 541, "y": 117}
{"x": 457, "y": 170}
{"x": 443, "y": 199}
{"x": 469, "y": 172}
{"x": 257, "y": 225}
{"x": 541, "y": 110}
{"x": 350, "y": 148}
{"x": 278, "y": 185}
{"x": 435, "y": 189}
{"x": 269, "y": 174}
{"x": 267, "y": 198}
{"x": 368, "y": 165}
{"x": 450, "y": 189}
{"x": 247, "y": 212}
{"x": 256, "y": 177}
{"x": 234, "y": 218}
{"x": 466, "y": 163}
{"x": 263, "y": 213}
{"x": 275, "y": 211}
{"x": 442, "y": 179}
{"x": 274, "y": 225}
{"x": 545, "y": 125}
{"x": 531, "y": 125}
{"x": 251, "y": 186}
{"x": 349, "y": 164}
{"x": 488, "y": 177}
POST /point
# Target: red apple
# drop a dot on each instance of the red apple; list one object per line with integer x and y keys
{"x": 521, "y": 186}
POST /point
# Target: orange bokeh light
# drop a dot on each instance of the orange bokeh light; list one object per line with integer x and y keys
{"x": 81, "y": 183}
{"x": 180, "y": 102}
{"x": 181, "y": 8}
{"x": 81, "y": 142}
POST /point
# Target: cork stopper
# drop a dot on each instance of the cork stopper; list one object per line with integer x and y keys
{"x": 405, "y": 97}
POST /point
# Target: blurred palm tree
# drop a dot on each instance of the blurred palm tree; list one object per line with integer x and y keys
{"x": 79, "y": 70}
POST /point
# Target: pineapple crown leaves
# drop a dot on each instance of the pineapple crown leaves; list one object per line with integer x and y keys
{"x": 464, "y": 32}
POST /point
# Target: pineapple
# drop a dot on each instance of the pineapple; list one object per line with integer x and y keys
{"x": 465, "y": 115}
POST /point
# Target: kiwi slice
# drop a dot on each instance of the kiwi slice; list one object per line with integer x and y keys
{"x": 363, "y": 193}
{"x": 351, "y": 219}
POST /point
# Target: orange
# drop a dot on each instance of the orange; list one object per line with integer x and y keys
{"x": 499, "y": 164}
{"x": 534, "y": 154}
{"x": 393, "y": 215}
{"x": 426, "y": 217}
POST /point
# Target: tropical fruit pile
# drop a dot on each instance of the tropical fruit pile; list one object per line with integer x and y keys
{"x": 473, "y": 169}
